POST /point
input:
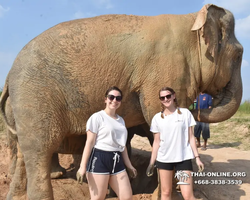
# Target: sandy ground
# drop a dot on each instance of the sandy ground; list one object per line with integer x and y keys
{"x": 216, "y": 159}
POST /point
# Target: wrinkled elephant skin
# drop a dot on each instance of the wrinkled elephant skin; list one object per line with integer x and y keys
{"x": 59, "y": 78}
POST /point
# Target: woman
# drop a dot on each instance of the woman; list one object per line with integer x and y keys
{"x": 105, "y": 152}
{"x": 174, "y": 145}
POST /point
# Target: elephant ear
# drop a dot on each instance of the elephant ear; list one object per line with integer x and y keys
{"x": 208, "y": 23}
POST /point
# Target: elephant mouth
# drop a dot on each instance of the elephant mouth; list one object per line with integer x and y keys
{"x": 218, "y": 98}
{"x": 225, "y": 103}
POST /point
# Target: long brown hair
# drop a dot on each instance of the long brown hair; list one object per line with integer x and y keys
{"x": 112, "y": 88}
{"x": 175, "y": 100}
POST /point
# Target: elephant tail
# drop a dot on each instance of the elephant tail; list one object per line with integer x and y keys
{"x": 3, "y": 104}
{"x": 8, "y": 117}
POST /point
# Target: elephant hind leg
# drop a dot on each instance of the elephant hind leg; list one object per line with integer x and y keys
{"x": 148, "y": 133}
{"x": 17, "y": 189}
{"x": 38, "y": 174}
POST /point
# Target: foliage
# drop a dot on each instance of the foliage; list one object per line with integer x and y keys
{"x": 245, "y": 107}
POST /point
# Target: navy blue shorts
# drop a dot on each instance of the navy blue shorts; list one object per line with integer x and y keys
{"x": 105, "y": 162}
{"x": 202, "y": 127}
{"x": 184, "y": 165}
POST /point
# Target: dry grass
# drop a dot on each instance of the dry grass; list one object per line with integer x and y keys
{"x": 234, "y": 132}
{"x": 2, "y": 129}
{"x": 2, "y": 126}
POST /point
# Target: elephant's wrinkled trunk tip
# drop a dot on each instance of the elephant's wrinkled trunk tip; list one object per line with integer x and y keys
{"x": 223, "y": 111}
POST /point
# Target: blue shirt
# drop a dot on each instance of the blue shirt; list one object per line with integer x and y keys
{"x": 205, "y": 101}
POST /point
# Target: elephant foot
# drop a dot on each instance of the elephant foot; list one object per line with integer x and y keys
{"x": 20, "y": 197}
{"x": 56, "y": 170}
{"x": 55, "y": 175}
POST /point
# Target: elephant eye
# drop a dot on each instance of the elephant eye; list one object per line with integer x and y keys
{"x": 219, "y": 41}
{"x": 220, "y": 37}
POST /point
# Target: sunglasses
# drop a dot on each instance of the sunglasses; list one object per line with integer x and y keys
{"x": 167, "y": 96}
{"x": 112, "y": 97}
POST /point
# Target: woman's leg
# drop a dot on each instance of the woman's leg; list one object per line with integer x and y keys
{"x": 166, "y": 177}
{"x": 121, "y": 185}
{"x": 187, "y": 190}
{"x": 98, "y": 185}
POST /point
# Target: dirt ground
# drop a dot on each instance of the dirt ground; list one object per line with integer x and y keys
{"x": 216, "y": 159}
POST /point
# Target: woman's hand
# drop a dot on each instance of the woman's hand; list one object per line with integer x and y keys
{"x": 199, "y": 164}
{"x": 80, "y": 175}
{"x": 150, "y": 170}
{"x": 132, "y": 172}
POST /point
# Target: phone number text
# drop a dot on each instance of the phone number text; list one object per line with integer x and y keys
{"x": 218, "y": 182}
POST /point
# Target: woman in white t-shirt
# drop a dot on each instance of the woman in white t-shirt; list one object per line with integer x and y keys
{"x": 105, "y": 155}
{"x": 174, "y": 145}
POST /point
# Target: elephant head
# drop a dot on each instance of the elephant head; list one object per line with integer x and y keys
{"x": 221, "y": 55}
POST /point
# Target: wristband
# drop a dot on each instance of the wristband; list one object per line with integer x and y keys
{"x": 197, "y": 156}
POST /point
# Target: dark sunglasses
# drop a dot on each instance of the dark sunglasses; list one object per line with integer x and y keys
{"x": 112, "y": 97}
{"x": 167, "y": 96}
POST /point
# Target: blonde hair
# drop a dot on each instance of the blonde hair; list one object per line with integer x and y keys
{"x": 175, "y": 100}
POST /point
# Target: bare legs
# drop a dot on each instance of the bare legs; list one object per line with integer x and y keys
{"x": 203, "y": 128}
{"x": 204, "y": 146}
{"x": 166, "y": 177}
{"x": 187, "y": 190}
{"x": 198, "y": 142}
{"x": 98, "y": 185}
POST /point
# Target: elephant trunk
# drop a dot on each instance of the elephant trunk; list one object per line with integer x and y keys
{"x": 226, "y": 103}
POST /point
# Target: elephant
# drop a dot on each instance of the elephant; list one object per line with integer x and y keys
{"x": 141, "y": 130}
{"x": 59, "y": 78}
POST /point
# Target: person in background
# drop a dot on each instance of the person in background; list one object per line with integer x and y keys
{"x": 105, "y": 155}
{"x": 174, "y": 145}
{"x": 203, "y": 101}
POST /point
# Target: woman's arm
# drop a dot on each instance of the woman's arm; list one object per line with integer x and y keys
{"x": 194, "y": 148}
{"x": 91, "y": 139}
{"x": 155, "y": 148}
{"x": 126, "y": 158}
{"x": 132, "y": 171}
{"x": 156, "y": 145}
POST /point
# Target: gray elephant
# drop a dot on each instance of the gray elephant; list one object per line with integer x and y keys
{"x": 58, "y": 80}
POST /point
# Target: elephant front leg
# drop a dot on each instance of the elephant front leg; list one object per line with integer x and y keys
{"x": 141, "y": 130}
{"x": 17, "y": 189}
{"x": 149, "y": 98}
{"x": 128, "y": 143}
{"x": 56, "y": 170}
{"x": 69, "y": 145}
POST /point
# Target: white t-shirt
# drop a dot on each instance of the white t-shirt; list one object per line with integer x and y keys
{"x": 111, "y": 133}
{"x": 173, "y": 129}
